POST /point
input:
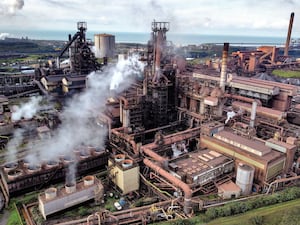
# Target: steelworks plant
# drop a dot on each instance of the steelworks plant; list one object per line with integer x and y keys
{"x": 175, "y": 135}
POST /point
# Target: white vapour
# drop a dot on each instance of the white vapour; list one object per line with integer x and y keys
{"x": 230, "y": 115}
{"x": 71, "y": 173}
{"x": 4, "y": 35}
{"x": 79, "y": 125}
{"x": 27, "y": 110}
{"x": 13, "y": 145}
{"x": 96, "y": 52}
{"x": 10, "y": 7}
{"x": 125, "y": 70}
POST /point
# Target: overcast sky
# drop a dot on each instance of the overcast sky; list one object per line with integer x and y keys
{"x": 229, "y": 17}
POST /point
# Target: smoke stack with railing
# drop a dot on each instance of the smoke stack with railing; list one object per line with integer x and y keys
{"x": 160, "y": 77}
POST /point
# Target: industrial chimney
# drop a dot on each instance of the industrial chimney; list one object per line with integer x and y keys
{"x": 224, "y": 66}
{"x": 288, "y": 38}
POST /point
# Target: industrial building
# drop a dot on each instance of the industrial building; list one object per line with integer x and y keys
{"x": 124, "y": 173}
{"x": 54, "y": 200}
{"x": 268, "y": 163}
{"x": 229, "y": 190}
{"x": 22, "y": 176}
{"x": 201, "y": 167}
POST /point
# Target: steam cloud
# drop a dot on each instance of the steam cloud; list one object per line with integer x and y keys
{"x": 71, "y": 173}
{"x": 10, "y": 7}
{"x": 79, "y": 126}
{"x": 13, "y": 144}
{"x": 28, "y": 110}
{"x": 153, "y": 9}
{"x": 4, "y": 35}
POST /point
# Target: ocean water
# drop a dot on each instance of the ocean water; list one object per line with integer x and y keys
{"x": 178, "y": 39}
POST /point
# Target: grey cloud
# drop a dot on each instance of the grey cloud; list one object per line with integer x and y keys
{"x": 11, "y": 7}
{"x": 291, "y": 2}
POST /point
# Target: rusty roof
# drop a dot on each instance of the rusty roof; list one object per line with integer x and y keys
{"x": 198, "y": 162}
{"x": 273, "y": 155}
{"x": 245, "y": 144}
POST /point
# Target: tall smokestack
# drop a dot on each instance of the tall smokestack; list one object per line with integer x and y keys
{"x": 288, "y": 38}
{"x": 224, "y": 66}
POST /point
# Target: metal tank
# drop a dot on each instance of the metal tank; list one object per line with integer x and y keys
{"x": 104, "y": 45}
{"x": 244, "y": 178}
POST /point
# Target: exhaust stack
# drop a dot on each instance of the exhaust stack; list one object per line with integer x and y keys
{"x": 224, "y": 66}
{"x": 253, "y": 114}
{"x": 288, "y": 38}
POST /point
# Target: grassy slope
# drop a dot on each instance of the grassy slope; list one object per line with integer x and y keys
{"x": 271, "y": 215}
{"x": 13, "y": 218}
{"x": 286, "y": 73}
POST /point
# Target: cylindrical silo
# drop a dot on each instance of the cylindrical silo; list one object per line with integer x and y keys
{"x": 244, "y": 178}
{"x": 50, "y": 193}
{"x": 104, "y": 45}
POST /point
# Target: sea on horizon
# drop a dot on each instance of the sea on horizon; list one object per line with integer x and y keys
{"x": 142, "y": 38}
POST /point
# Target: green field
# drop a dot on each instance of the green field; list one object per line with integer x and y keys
{"x": 286, "y": 73}
{"x": 279, "y": 214}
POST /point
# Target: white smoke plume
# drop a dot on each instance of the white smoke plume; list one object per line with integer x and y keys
{"x": 125, "y": 70}
{"x": 13, "y": 145}
{"x": 4, "y": 35}
{"x": 78, "y": 124}
{"x": 230, "y": 115}
{"x": 146, "y": 11}
{"x": 96, "y": 51}
{"x": 10, "y": 7}
{"x": 71, "y": 173}
{"x": 27, "y": 110}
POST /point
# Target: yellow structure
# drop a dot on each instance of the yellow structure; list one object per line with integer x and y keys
{"x": 124, "y": 174}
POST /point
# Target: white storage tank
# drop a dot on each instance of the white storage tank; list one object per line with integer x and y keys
{"x": 104, "y": 45}
{"x": 50, "y": 193}
{"x": 244, "y": 178}
{"x": 88, "y": 180}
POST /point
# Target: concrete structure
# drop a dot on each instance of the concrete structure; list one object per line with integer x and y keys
{"x": 229, "y": 190}
{"x": 104, "y": 45}
{"x": 73, "y": 83}
{"x": 125, "y": 174}
{"x": 52, "y": 83}
{"x": 54, "y": 200}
